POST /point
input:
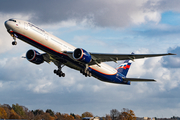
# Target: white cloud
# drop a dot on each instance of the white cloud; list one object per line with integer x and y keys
{"x": 41, "y": 86}
{"x": 3, "y": 62}
{"x": 140, "y": 17}
{"x": 103, "y": 13}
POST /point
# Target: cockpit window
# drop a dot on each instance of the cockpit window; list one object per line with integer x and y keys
{"x": 12, "y": 20}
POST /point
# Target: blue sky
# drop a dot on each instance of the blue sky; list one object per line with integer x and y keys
{"x": 150, "y": 26}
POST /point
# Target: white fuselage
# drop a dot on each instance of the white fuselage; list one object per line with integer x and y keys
{"x": 43, "y": 38}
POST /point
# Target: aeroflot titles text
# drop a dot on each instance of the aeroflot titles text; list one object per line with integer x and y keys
{"x": 31, "y": 25}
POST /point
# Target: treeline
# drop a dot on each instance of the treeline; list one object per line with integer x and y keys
{"x": 21, "y": 112}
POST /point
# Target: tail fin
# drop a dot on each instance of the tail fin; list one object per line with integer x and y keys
{"x": 124, "y": 67}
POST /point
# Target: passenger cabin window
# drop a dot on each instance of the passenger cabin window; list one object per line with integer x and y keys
{"x": 12, "y": 20}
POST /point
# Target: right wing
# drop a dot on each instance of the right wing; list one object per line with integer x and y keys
{"x": 115, "y": 57}
{"x": 103, "y": 57}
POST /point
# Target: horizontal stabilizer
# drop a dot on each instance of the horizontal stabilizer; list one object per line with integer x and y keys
{"x": 139, "y": 80}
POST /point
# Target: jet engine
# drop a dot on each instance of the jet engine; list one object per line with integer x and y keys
{"x": 34, "y": 57}
{"x": 82, "y": 55}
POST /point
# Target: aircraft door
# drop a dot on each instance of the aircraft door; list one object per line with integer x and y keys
{"x": 25, "y": 26}
{"x": 46, "y": 36}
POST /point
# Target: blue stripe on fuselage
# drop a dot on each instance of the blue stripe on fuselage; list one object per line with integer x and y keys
{"x": 116, "y": 78}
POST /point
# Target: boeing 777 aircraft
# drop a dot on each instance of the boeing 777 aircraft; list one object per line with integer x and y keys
{"x": 62, "y": 53}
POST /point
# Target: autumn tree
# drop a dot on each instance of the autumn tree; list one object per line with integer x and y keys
{"x": 30, "y": 115}
{"x": 87, "y": 114}
{"x": 108, "y": 117}
{"x": 7, "y": 108}
{"x": 77, "y": 117}
{"x": 47, "y": 116}
{"x": 66, "y": 117}
{"x": 58, "y": 115}
{"x": 127, "y": 114}
{"x": 50, "y": 112}
{"x": 3, "y": 114}
{"x": 19, "y": 110}
{"x": 72, "y": 114}
{"x": 14, "y": 115}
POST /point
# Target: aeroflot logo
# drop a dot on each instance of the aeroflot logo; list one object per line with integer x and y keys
{"x": 125, "y": 66}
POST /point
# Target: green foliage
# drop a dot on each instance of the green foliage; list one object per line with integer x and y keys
{"x": 19, "y": 110}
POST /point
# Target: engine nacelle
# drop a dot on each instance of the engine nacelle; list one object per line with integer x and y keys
{"x": 81, "y": 55}
{"x": 34, "y": 57}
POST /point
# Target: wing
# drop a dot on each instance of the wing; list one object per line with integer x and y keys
{"x": 102, "y": 57}
{"x": 115, "y": 57}
{"x": 139, "y": 80}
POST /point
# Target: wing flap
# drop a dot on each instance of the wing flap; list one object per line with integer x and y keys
{"x": 139, "y": 80}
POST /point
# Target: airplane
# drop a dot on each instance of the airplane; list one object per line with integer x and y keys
{"x": 63, "y": 54}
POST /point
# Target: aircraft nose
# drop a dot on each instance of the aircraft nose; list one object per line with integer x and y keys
{"x": 6, "y": 23}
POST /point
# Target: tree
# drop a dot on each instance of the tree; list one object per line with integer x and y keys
{"x": 114, "y": 113}
{"x": 3, "y": 114}
{"x": 19, "y": 110}
{"x": 132, "y": 115}
{"x": 58, "y": 116}
{"x": 47, "y": 116}
{"x": 127, "y": 114}
{"x": 30, "y": 115}
{"x": 50, "y": 112}
{"x": 66, "y": 117}
{"x": 38, "y": 112}
{"x": 14, "y": 115}
{"x": 87, "y": 114}
{"x": 108, "y": 117}
{"x": 77, "y": 117}
{"x": 7, "y": 108}
{"x": 72, "y": 114}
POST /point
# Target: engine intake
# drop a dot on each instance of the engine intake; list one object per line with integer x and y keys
{"x": 82, "y": 55}
{"x": 34, "y": 57}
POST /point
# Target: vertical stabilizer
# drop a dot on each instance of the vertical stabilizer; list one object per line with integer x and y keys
{"x": 124, "y": 67}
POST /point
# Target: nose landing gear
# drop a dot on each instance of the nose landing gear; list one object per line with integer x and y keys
{"x": 14, "y": 37}
{"x": 14, "y": 43}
